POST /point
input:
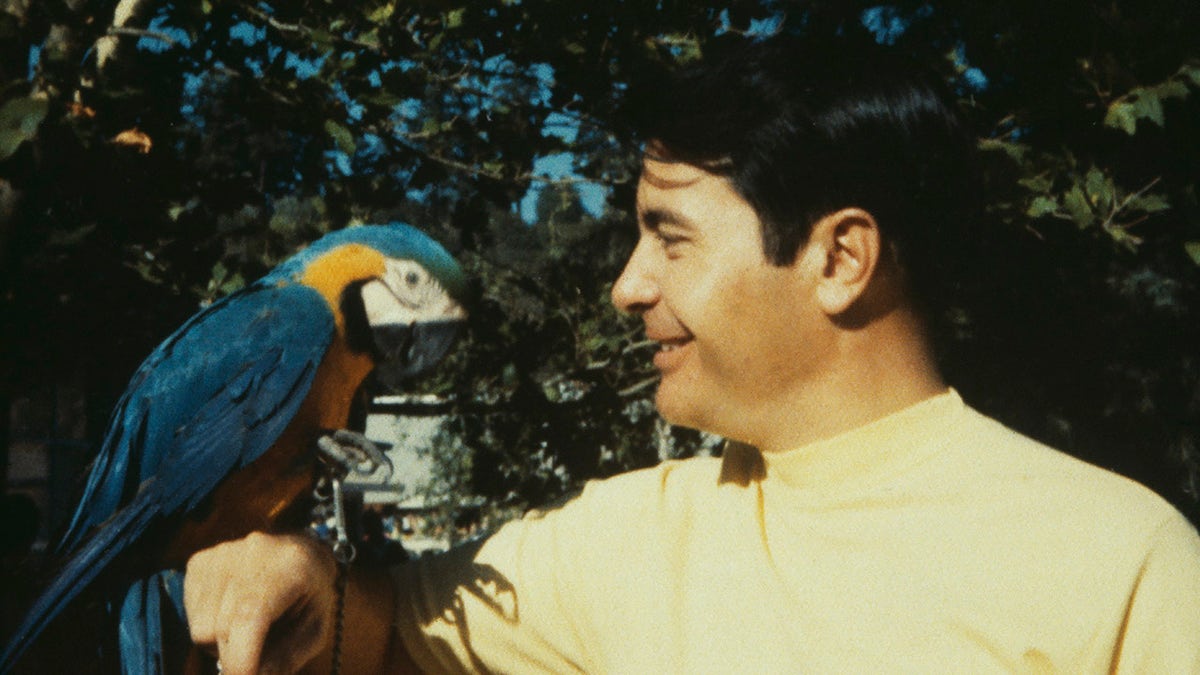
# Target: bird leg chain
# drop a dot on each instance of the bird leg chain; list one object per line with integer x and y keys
{"x": 342, "y": 453}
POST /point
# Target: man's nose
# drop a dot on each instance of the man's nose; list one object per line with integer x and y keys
{"x": 635, "y": 290}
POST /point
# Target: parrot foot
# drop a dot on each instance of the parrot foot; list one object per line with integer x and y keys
{"x": 352, "y": 452}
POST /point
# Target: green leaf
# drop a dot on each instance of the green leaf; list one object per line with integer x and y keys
{"x": 1152, "y": 203}
{"x": 323, "y": 39}
{"x": 454, "y": 18}
{"x": 235, "y": 283}
{"x": 1172, "y": 89}
{"x": 1015, "y": 151}
{"x": 1121, "y": 116}
{"x": 1122, "y": 237}
{"x": 341, "y": 135}
{"x": 1099, "y": 189}
{"x": 72, "y": 237}
{"x": 1040, "y": 183}
{"x": 1078, "y": 208}
{"x": 1042, "y": 205}
{"x": 1192, "y": 72}
{"x": 382, "y": 98}
{"x": 1148, "y": 106}
{"x": 382, "y": 13}
{"x": 19, "y": 121}
{"x": 370, "y": 38}
{"x": 176, "y": 210}
{"x": 1193, "y": 250}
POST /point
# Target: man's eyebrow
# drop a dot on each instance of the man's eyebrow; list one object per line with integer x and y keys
{"x": 655, "y": 218}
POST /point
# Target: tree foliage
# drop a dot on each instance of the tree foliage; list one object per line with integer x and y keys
{"x": 156, "y": 155}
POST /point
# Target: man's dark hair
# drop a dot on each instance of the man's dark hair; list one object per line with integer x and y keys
{"x": 803, "y": 127}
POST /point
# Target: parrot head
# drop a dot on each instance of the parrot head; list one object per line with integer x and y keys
{"x": 413, "y": 320}
{"x": 397, "y": 293}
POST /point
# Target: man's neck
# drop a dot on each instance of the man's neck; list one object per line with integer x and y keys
{"x": 874, "y": 372}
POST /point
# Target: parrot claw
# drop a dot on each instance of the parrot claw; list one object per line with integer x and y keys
{"x": 351, "y": 452}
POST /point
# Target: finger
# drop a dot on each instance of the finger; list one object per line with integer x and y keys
{"x": 274, "y": 607}
{"x": 240, "y": 647}
{"x": 203, "y": 587}
{"x": 295, "y": 640}
{"x": 247, "y": 610}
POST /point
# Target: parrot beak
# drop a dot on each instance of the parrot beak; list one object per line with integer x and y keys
{"x": 408, "y": 350}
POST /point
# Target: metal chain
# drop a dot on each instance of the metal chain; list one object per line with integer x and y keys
{"x": 341, "y": 453}
{"x": 339, "y": 621}
{"x": 343, "y": 552}
{"x": 329, "y": 496}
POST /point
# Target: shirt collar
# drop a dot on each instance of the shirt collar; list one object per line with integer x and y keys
{"x": 878, "y": 448}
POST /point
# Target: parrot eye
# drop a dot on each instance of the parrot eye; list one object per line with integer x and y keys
{"x": 411, "y": 278}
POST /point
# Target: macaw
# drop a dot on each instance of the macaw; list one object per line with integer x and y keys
{"x": 215, "y": 435}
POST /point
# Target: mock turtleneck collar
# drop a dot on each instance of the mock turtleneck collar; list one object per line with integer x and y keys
{"x": 877, "y": 447}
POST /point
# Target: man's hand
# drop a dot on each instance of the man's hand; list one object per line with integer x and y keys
{"x": 263, "y": 604}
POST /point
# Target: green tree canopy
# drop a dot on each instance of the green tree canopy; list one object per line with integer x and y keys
{"x": 155, "y": 155}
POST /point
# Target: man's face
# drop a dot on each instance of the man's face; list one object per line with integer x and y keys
{"x": 735, "y": 331}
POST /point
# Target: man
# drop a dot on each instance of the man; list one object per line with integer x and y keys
{"x": 801, "y": 212}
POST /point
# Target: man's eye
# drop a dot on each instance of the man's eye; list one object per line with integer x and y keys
{"x": 668, "y": 239}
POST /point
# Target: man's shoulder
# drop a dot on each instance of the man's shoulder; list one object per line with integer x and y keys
{"x": 1030, "y": 468}
{"x": 668, "y": 480}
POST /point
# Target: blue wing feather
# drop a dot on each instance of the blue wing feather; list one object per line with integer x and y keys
{"x": 193, "y": 387}
{"x": 210, "y": 399}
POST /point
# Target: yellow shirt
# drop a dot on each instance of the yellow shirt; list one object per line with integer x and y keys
{"x": 934, "y": 540}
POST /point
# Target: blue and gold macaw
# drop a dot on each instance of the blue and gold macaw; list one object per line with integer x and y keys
{"x": 215, "y": 435}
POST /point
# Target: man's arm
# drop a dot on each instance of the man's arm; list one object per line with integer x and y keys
{"x": 1161, "y": 628}
{"x": 267, "y": 603}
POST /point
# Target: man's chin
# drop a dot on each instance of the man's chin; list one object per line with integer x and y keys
{"x": 676, "y": 409}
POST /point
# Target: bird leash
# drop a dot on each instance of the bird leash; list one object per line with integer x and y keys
{"x": 342, "y": 453}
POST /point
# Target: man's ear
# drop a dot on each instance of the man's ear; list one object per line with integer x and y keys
{"x": 851, "y": 245}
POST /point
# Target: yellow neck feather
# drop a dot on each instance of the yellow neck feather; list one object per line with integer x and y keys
{"x": 330, "y": 273}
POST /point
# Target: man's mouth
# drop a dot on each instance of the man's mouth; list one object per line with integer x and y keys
{"x": 669, "y": 352}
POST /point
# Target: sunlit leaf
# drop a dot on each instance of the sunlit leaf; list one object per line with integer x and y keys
{"x": 370, "y": 38}
{"x": 1193, "y": 251}
{"x": 72, "y": 237}
{"x": 1015, "y": 151}
{"x": 1148, "y": 106}
{"x": 1039, "y": 183}
{"x": 77, "y": 109}
{"x": 134, "y": 138}
{"x": 382, "y": 13}
{"x": 1191, "y": 71}
{"x": 1171, "y": 89}
{"x": 1121, "y": 115}
{"x": 1042, "y": 205}
{"x": 1151, "y": 203}
{"x": 19, "y": 121}
{"x": 1100, "y": 189}
{"x": 341, "y": 136}
{"x": 1076, "y": 205}
{"x": 454, "y": 18}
